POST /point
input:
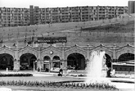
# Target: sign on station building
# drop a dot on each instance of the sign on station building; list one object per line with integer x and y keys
{"x": 51, "y": 40}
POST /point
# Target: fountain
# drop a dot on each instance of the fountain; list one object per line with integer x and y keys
{"x": 96, "y": 68}
{"x": 96, "y": 74}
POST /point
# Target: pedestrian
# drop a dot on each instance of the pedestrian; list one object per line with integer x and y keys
{"x": 60, "y": 72}
{"x": 109, "y": 72}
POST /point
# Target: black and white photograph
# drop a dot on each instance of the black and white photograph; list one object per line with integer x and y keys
{"x": 67, "y": 45}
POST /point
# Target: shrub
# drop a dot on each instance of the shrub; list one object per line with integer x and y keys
{"x": 74, "y": 85}
{"x": 14, "y": 75}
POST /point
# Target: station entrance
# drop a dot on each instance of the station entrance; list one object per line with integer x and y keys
{"x": 76, "y": 61}
{"x": 126, "y": 57}
{"x": 6, "y": 61}
{"x": 47, "y": 60}
{"x": 108, "y": 61}
{"x": 28, "y": 62}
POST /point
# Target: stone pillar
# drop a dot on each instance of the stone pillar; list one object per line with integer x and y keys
{"x": 114, "y": 52}
{"x": 63, "y": 51}
{"x": 33, "y": 66}
{"x": 16, "y": 65}
{"x": 65, "y": 64}
{"x": 39, "y": 60}
{"x": 88, "y": 55}
{"x": 86, "y": 62}
{"x": 114, "y": 55}
{"x": 64, "y": 67}
{"x": 88, "y": 52}
{"x": 51, "y": 64}
{"x": 104, "y": 68}
{"x": 16, "y": 61}
{"x": 39, "y": 54}
{"x": 39, "y": 65}
{"x": 63, "y": 61}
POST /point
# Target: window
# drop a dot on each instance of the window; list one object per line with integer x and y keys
{"x": 130, "y": 69}
{"x": 125, "y": 69}
{"x": 120, "y": 68}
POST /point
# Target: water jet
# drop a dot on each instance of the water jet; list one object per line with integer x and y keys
{"x": 96, "y": 69}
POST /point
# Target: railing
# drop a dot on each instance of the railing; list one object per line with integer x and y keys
{"x": 124, "y": 72}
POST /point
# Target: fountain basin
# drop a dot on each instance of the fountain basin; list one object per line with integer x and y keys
{"x": 5, "y": 89}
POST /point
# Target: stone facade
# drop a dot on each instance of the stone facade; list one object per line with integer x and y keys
{"x": 63, "y": 52}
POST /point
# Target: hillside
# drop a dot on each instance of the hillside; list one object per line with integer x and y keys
{"x": 117, "y": 30}
{"x": 118, "y": 27}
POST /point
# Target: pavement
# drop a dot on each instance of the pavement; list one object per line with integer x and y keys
{"x": 122, "y": 83}
{"x": 124, "y": 86}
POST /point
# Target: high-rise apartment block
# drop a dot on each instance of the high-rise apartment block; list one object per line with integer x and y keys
{"x": 14, "y": 16}
{"x": 131, "y": 7}
{"x": 36, "y": 15}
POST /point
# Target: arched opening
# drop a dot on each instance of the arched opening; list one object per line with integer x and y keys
{"x": 28, "y": 61}
{"x": 126, "y": 57}
{"x": 125, "y": 62}
{"x": 56, "y": 62}
{"x": 47, "y": 58}
{"x": 76, "y": 61}
{"x": 56, "y": 58}
{"x": 108, "y": 61}
{"x": 46, "y": 65}
{"x": 6, "y": 61}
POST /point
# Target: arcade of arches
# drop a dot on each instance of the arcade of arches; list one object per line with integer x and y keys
{"x": 75, "y": 57}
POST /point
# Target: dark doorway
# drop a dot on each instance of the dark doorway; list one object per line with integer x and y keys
{"x": 56, "y": 62}
{"x": 126, "y": 57}
{"x": 108, "y": 61}
{"x": 27, "y": 61}
{"x": 47, "y": 58}
{"x": 6, "y": 61}
{"x": 47, "y": 63}
{"x": 76, "y": 61}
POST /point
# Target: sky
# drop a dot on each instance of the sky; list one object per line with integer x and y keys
{"x": 61, "y": 3}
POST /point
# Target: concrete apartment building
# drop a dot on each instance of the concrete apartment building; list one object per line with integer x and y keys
{"x": 131, "y": 7}
{"x": 36, "y": 15}
{"x": 14, "y": 16}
